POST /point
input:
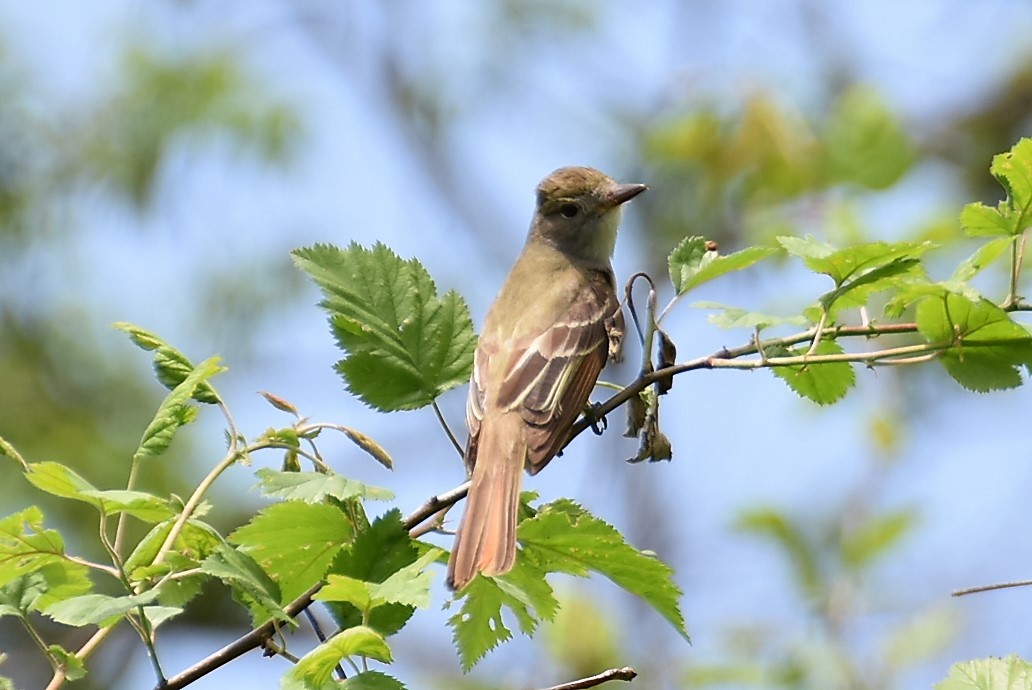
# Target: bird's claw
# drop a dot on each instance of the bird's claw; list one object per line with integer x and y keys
{"x": 597, "y": 421}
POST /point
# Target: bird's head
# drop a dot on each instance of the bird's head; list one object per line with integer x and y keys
{"x": 578, "y": 211}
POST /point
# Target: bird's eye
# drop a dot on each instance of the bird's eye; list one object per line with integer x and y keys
{"x": 569, "y": 210}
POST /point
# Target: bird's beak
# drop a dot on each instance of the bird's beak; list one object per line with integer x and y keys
{"x": 621, "y": 193}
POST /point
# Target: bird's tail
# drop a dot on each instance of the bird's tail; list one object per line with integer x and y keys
{"x": 486, "y": 539}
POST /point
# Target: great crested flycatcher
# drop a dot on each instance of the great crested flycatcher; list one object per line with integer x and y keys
{"x": 546, "y": 338}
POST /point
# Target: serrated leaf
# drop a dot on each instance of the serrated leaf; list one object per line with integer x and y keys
{"x": 691, "y": 264}
{"x": 243, "y": 574}
{"x": 983, "y": 257}
{"x": 1014, "y": 171}
{"x": 1011, "y": 673}
{"x": 979, "y": 220}
{"x": 987, "y": 346}
{"x": 295, "y": 543}
{"x": 850, "y": 263}
{"x": 478, "y": 627}
{"x": 25, "y": 546}
{"x": 73, "y": 666}
{"x": 43, "y": 587}
{"x": 404, "y": 345}
{"x": 862, "y": 545}
{"x": 175, "y": 411}
{"x": 409, "y": 586}
{"x": 736, "y": 317}
{"x": 97, "y": 609}
{"x": 824, "y": 383}
{"x": 806, "y": 248}
{"x": 372, "y": 680}
{"x": 171, "y": 366}
{"x": 1012, "y": 216}
{"x": 377, "y": 553}
{"x": 856, "y": 291}
{"x": 564, "y": 537}
{"x": 313, "y": 487}
{"x": 315, "y": 669}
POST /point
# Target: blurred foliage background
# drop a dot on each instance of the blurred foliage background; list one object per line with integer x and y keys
{"x": 158, "y": 161}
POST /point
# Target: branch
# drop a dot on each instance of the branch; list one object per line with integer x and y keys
{"x": 990, "y": 588}
{"x": 625, "y": 673}
{"x": 723, "y": 359}
{"x": 252, "y": 640}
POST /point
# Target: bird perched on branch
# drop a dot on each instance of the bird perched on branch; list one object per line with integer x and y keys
{"x": 547, "y": 336}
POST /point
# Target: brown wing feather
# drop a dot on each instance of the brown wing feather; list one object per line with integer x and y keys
{"x": 550, "y": 376}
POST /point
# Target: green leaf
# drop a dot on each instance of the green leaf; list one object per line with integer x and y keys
{"x": 1011, "y": 673}
{"x": 478, "y": 627}
{"x": 371, "y": 680}
{"x": 377, "y": 553}
{"x": 1012, "y": 216}
{"x": 73, "y": 666}
{"x": 987, "y": 346}
{"x": 141, "y": 505}
{"x": 736, "y": 317}
{"x": 979, "y": 220}
{"x": 851, "y": 263}
{"x": 807, "y": 248}
{"x": 98, "y": 609}
{"x": 824, "y": 383}
{"x": 691, "y": 264}
{"x": 175, "y": 411}
{"x": 983, "y": 257}
{"x": 194, "y": 543}
{"x": 25, "y": 546}
{"x": 779, "y": 529}
{"x": 295, "y": 543}
{"x": 247, "y": 579}
{"x": 865, "y": 142}
{"x": 856, "y": 292}
{"x": 563, "y": 537}
{"x": 59, "y": 480}
{"x": 409, "y": 586}
{"x": 1013, "y": 169}
{"x": 862, "y": 545}
{"x": 313, "y": 487}
{"x": 43, "y": 587}
{"x": 315, "y": 669}
{"x": 404, "y": 345}
{"x": 171, "y": 366}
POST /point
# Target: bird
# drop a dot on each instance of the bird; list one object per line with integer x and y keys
{"x": 546, "y": 337}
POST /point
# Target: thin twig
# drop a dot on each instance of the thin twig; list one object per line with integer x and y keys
{"x": 990, "y": 588}
{"x": 317, "y": 629}
{"x": 447, "y": 429}
{"x": 625, "y": 673}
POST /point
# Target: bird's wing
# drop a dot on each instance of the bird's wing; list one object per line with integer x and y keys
{"x": 550, "y": 375}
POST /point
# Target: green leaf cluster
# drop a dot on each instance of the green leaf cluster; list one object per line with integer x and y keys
{"x": 559, "y": 537}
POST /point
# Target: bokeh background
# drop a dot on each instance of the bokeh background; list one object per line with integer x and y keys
{"x": 159, "y": 160}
